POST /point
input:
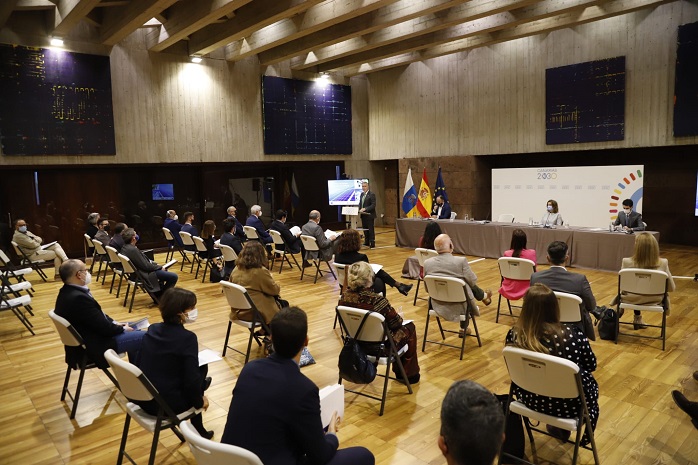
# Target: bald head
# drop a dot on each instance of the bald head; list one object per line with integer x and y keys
{"x": 315, "y": 216}
{"x": 69, "y": 271}
{"x": 443, "y": 244}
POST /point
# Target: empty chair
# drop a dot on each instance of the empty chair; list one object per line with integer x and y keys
{"x": 8, "y": 302}
{"x": 517, "y": 269}
{"x": 570, "y": 310}
{"x": 9, "y": 270}
{"x": 188, "y": 241}
{"x": 101, "y": 253}
{"x": 281, "y": 249}
{"x": 422, "y": 256}
{"x": 310, "y": 245}
{"x": 207, "y": 452}
{"x": 24, "y": 259}
{"x": 452, "y": 290}
{"x": 238, "y": 298}
{"x": 71, "y": 338}
{"x": 89, "y": 247}
{"x": 505, "y": 218}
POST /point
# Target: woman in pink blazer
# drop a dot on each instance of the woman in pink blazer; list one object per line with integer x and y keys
{"x": 512, "y": 287}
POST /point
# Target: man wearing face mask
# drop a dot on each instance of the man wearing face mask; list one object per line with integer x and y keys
{"x": 76, "y": 304}
{"x": 628, "y": 219}
{"x": 31, "y": 246}
{"x": 155, "y": 279}
{"x": 102, "y": 234}
{"x": 172, "y": 223}
{"x": 254, "y": 221}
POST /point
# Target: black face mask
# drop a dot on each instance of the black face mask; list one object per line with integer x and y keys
{"x": 106, "y": 228}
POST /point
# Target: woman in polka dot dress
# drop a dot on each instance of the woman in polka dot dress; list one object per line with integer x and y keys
{"x": 539, "y": 329}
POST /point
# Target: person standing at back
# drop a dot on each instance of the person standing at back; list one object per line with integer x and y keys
{"x": 367, "y": 209}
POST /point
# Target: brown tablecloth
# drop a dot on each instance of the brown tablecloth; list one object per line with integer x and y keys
{"x": 600, "y": 250}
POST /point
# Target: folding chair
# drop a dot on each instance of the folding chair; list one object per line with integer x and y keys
{"x": 251, "y": 234}
{"x": 518, "y": 269}
{"x": 422, "y": 256}
{"x": 284, "y": 252}
{"x": 452, "y": 290}
{"x": 100, "y": 252}
{"x": 24, "y": 259}
{"x": 90, "y": 245}
{"x": 505, "y": 218}
{"x": 570, "y": 310}
{"x": 116, "y": 267}
{"x": 549, "y": 376}
{"x": 71, "y": 338}
{"x": 239, "y": 299}
{"x": 135, "y": 386}
{"x": 133, "y": 281}
{"x": 639, "y": 281}
{"x": 207, "y": 452}
{"x": 229, "y": 254}
{"x": 310, "y": 245}
{"x": 9, "y": 270}
{"x": 173, "y": 245}
{"x": 187, "y": 240}
{"x": 201, "y": 247}
{"x": 15, "y": 305}
{"x": 374, "y": 331}
{"x": 16, "y": 289}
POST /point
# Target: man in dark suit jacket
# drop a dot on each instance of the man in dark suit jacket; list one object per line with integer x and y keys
{"x": 367, "y": 208}
{"x": 559, "y": 279}
{"x": 76, "y": 304}
{"x": 173, "y": 225}
{"x": 294, "y": 243}
{"x": 287, "y": 426}
{"x": 155, "y": 279}
{"x": 188, "y": 227}
{"x": 254, "y": 221}
{"x": 239, "y": 231}
{"x": 629, "y": 219}
{"x": 313, "y": 228}
{"x": 117, "y": 241}
{"x": 230, "y": 239}
{"x": 442, "y": 209}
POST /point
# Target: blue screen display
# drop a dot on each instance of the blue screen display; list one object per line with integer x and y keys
{"x": 163, "y": 191}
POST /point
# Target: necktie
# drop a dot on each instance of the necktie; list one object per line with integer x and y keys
{"x": 363, "y": 197}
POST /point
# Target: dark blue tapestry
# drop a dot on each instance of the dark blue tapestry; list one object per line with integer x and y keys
{"x": 585, "y": 102}
{"x": 686, "y": 85}
{"x": 305, "y": 117}
{"x": 55, "y": 102}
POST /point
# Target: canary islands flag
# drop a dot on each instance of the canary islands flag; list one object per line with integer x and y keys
{"x": 409, "y": 196}
{"x": 424, "y": 197}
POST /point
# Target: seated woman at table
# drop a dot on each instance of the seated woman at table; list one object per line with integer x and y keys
{"x": 646, "y": 256}
{"x": 207, "y": 235}
{"x": 360, "y": 295}
{"x": 347, "y": 252}
{"x": 411, "y": 268}
{"x": 539, "y": 330}
{"x": 170, "y": 359}
{"x": 516, "y": 288}
{"x": 552, "y": 216}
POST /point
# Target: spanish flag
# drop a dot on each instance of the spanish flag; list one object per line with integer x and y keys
{"x": 424, "y": 197}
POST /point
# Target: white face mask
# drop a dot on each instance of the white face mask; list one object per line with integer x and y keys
{"x": 175, "y": 218}
{"x": 88, "y": 278}
{"x": 191, "y": 315}
{"x": 550, "y": 208}
{"x": 627, "y": 211}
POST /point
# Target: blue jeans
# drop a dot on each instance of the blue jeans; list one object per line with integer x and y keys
{"x": 130, "y": 342}
{"x": 167, "y": 279}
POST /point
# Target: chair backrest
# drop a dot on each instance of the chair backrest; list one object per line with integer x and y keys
{"x": 250, "y": 232}
{"x": 505, "y": 218}
{"x": 113, "y": 254}
{"x": 542, "y": 374}
{"x": 4, "y": 259}
{"x": 168, "y": 234}
{"x": 186, "y": 238}
{"x": 641, "y": 281}
{"x": 69, "y": 335}
{"x": 570, "y": 311}
{"x": 99, "y": 247}
{"x": 309, "y": 243}
{"x": 229, "y": 254}
{"x": 126, "y": 263}
{"x": 200, "y": 246}
{"x": 446, "y": 289}
{"x": 207, "y": 452}
{"x": 453, "y": 215}
{"x": 18, "y": 250}
{"x": 237, "y": 296}
{"x": 423, "y": 254}
{"x": 132, "y": 382}
{"x": 276, "y": 236}
{"x": 341, "y": 273}
{"x": 88, "y": 241}
{"x": 372, "y": 331}
{"x": 519, "y": 269}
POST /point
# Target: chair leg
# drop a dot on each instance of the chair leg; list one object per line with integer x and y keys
{"x": 154, "y": 446}
{"x": 509, "y": 305}
{"x": 118, "y": 290}
{"x": 249, "y": 345}
{"x": 111, "y": 288}
{"x": 317, "y": 270}
{"x": 426, "y": 331}
{"x": 133, "y": 297}
{"x": 295, "y": 261}
{"x": 416, "y": 292}
{"x": 203, "y": 278}
{"x": 441, "y": 329}
{"x": 128, "y": 289}
{"x": 227, "y": 337}
{"x": 331, "y": 270}
{"x": 663, "y": 330}
{"x": 385, "y": 388}
{"x": 477, "y": 332}
{"x": 124, "y": 437}
{"x": 198, "y": 267}
{"x": 577, "y": 440}
{"x": 65, "y": 383}
{"x": 499, "y": 303}
{"x": 76, "y": 399}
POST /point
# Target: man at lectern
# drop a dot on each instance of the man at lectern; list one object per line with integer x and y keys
{"x": 367, "y": 208}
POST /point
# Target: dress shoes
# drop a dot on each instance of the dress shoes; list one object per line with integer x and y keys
{"x": 412, "y": 379}
{"x": 488, "y": 297}
{"x": 638, "y": 323}
{"x": 695, "y": 375}
{"x": 207, "y": 383}
{"x": 307, "y": 264}
{"x": 404, "y": 289}
{"x": 691, "y": 408}
{"x": 462, "y": 333}
{"x": 558, "y": 433}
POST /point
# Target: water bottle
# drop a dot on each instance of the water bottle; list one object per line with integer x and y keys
{"x": 610, "y": 227}
{"x": 530, "y": 221}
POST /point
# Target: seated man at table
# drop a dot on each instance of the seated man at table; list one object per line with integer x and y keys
{"x": 559, "y": 279}
{"x": 628, "y": 219}
{"x": 442, "y": 210}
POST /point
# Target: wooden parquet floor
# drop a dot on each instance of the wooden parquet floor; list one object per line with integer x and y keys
{"x": 639, "y": 423}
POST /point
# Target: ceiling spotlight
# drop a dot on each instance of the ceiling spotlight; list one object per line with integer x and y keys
{"x": 324, "y": 76}
{"x": 56, "y": 42}
{"x": 196, "y": 59}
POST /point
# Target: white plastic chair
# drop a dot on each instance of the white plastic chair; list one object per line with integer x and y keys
{"x": 173, "y": 245}
{"x": 639, "y": 281}
{"x": 505, "y": 218}
{"x": 15, "y": 304}
{"x": 89, "y": 244}
{"x": 422, "y": 255}
{"x": 10, "y": 270}
{"x": 518, "y": 269}
{"x": 310, "y": 245}
{"x": 116, "y": 267}
{"x": 251, "y": 234}
{"x": 100, "y": 252}
{"x": 452, "y": 290}
{"x": 239, "y": 299}
{"x": 35, "y": 264}
{"x": 570, "y": 310}
{"x": 188, "y": 241}
{"x": 548, "y": 376}
{"x": 201, "y": 247}
{"x": 133, "y": 280}
{"x": 373, "y": 331}
{"x": 229, "y": 254}
{"x": 207, "y": 452}
{"x": 281, "y": 249}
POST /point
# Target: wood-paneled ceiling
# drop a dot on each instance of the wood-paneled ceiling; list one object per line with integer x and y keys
{"x": 348, "y": 37}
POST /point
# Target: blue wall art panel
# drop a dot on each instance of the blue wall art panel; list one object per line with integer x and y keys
{"x": 686, "y": 86}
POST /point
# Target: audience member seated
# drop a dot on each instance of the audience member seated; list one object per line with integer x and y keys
{"x": 251, "y": 272}
{"x": 411, "y": 269}
{"x": 209, "y": 239}
{"x": 552, "y": 216}
{"x": 170, "y": 359}
{"x": 31, "y": 246}
{"x": 360, "y": 295}
{"x": 155, "y": 280}
{"x": 173, "y": 225}
{"x": 442, "y": 209}
{"x": 514, "y": 287}
{"x": 559, "y": 279}
{"x": 472, "y": 425}
{"x": 117, "y": 241}
{"x": 231, "y": 239}
{"x": 103, "y": 232}
{"x": 312, "y": 228}
{"x": 348, "y": 246}
{"x": 646, "y": 256}
{"x": 188, "y": 227}
{"x": 239, "y": 231}
{"x": 275, "y": 410}
{"x": 539, "y": 329}
{"x": 628, "y": 219}
{"x": 254, "y": 221}
{"x": 76, "y": 304}
{"x": 92, "y": 221}
{"x": 293, "y": 241}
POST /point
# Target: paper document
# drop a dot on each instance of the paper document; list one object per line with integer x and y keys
{"x": 295, "y": 230}
{"x": 169, "y": 264}
{"x": 139, "y": 325}
{"x": 207, "y": 356}
{"x": 331, "y": 400}
{"x": 376, "y": 267}
{"x": 329, "y": 233}
{"x": 46, "y": 246}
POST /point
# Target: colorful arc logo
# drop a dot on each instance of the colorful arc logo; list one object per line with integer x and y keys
{"x": 630, "y": 187}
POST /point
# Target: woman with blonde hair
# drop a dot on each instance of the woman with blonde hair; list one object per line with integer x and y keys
{"x": 539, "y": 329}
{"x": 360, "y": 295}
{"x": 646, "y": 256}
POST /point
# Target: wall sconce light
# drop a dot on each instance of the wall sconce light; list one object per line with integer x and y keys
{"x": 56, "y": 42}
{"x": 196, "y": 59}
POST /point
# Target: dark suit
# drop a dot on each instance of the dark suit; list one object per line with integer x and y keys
{"x": 632, "y": 221}
{"x": 275, "y": 413}
{"x": 174, "y": 228}
{"x": 295, "y": 244}
{"x": 239, "y": 231}
{"x": 559, "y": 279}
{"x": 256, "y": 223}
{"x": 368, "y": 217}
{"x": 117, "y": 242}
{"x": 148, "y": 271}
{"x": 189, "y": 228}
{"x": 445, "y": 211}
{"x": 96, "y": 328}
{"x": 231, "y": 241}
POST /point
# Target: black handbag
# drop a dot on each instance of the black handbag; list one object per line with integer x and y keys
{"x": 607, "y": 325}
{"x": 353, "y": 363}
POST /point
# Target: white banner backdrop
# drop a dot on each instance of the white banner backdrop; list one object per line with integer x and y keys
{"x": 586, "y": 195}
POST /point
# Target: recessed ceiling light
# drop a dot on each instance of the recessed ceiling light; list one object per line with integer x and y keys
{"x": 56, "y": 42}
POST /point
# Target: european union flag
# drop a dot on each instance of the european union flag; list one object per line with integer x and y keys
{"x": 440, "y": 187}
